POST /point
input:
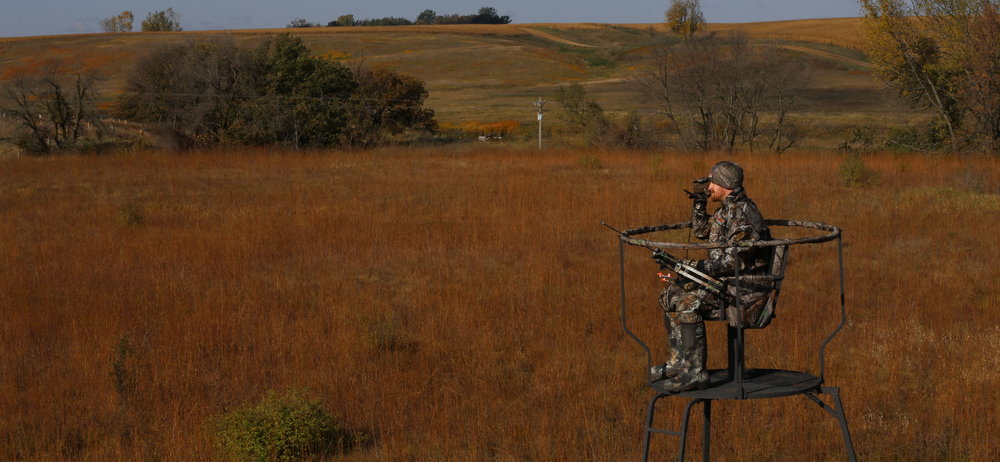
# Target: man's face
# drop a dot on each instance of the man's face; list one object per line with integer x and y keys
{"x": 716, "y": 193}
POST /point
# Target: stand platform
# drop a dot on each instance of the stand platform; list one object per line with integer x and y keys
{"x": 757, "y": 384}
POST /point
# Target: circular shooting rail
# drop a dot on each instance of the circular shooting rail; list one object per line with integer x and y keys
{"x": 833, "y": 232}
{"x": 736, "y": 382}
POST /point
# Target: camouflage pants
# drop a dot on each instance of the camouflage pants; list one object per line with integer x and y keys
{"x": 684, "y": 314}
{"x": 689, "y": 304}
{"x": 685, "y": 309}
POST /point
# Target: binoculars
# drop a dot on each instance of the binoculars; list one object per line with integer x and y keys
{"x": 700, "y": 185}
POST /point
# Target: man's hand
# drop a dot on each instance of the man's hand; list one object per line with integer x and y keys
{"x": 660, "y": 260}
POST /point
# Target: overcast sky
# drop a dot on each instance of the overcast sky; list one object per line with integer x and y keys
{"x": 45, "y": 17}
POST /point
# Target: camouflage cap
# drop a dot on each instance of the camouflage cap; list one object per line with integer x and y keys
{"x": 727, "y": 174}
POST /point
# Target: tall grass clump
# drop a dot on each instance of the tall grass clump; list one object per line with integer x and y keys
{"x": 282, "y": 426}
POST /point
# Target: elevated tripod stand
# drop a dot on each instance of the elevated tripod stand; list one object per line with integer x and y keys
{"x": 736, "y": 382}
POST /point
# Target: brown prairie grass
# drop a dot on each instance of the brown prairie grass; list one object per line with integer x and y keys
{"x": 463, "y": 304}
{"x": 842, "y": 32}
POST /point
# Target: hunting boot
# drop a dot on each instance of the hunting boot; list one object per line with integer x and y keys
{"x": 691, "y": 373}
{"x": 675, "y": 363}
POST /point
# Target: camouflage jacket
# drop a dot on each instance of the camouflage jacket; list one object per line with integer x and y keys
{"x": 738, "y": 219}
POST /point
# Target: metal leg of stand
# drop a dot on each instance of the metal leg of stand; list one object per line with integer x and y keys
{"x": 684, "y": 427}
{"x": 707, "y": 409}
{"x": 649, "y": 426}
{"x": 706, "y": 431}
{"x": 837, "y": 413}
{"x": 848, "y": 444}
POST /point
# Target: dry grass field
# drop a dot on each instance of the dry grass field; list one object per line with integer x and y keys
{"x": 462, "y": 304}
{"x": 842, "y": 32}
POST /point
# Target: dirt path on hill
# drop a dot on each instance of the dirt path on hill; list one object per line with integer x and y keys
{"x": 581, "y": 82}
{"x": 548, "y": 36}
{"x": 827, "y": 54}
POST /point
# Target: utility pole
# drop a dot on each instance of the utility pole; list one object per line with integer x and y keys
{"x": 539, "y": 104}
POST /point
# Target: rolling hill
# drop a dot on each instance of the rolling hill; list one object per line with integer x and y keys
{"x": 491, "y": 73}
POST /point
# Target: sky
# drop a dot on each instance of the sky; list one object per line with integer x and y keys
{"x": 52, "y": 17}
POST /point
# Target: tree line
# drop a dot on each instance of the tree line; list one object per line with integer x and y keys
{"x": 485, "y": 15}
{"x": 217, "y": 92}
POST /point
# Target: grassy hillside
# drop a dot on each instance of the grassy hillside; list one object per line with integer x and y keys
{"x": 491, "y": 73}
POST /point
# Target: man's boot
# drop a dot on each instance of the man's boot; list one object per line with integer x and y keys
{"x": 691, "y": 373}
{"x": 667, "y": 370}
{"x": 675, "y": 363}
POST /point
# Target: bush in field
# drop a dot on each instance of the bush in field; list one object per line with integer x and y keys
{"x": 854, "y": 173}
{"x": 586, "y": 117}
{"x": 282, "y": 426}
{"x": 581, "y": 112}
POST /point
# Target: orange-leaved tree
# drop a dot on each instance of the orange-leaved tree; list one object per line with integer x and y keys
{"x": 941, "y": 55}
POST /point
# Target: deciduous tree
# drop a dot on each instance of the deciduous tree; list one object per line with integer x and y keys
{"x": 725, "y": 93}
{"x": 386, "y": 103}
{"x": 299, "y": 22}
{"x": 56, "y": 107}
{"x": 345, "y": 20}
{"x": 162, "y": 21}
{"x": 121, "y": 23}
{"x": 581, "y": 112}
{"x": 489, "y": 15}
{"x": 426, "y": 17}
{"x": 197, "y": 88}
{"x": 941, "y": 55}
{"x": 684, "y": 17}
{"x": 305, "y": 97}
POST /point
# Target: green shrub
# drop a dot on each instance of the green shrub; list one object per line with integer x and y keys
{"x": 130, "y": 215}
{"x": 387, "y": 333}
{"x": 283, "y": 426}
{"x": 854, "y": 173}
{"x": 591, "y": 162}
